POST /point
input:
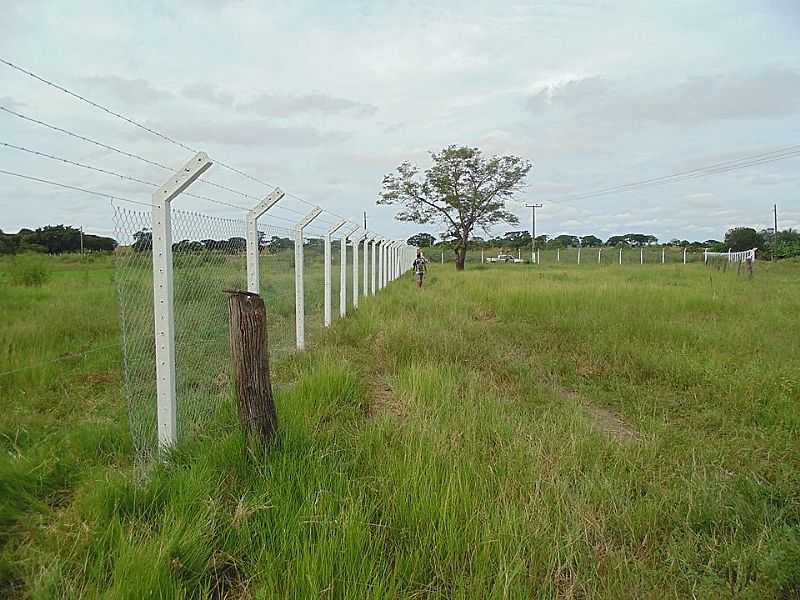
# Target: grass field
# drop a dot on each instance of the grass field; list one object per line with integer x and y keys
{"x": 510, "y": 431}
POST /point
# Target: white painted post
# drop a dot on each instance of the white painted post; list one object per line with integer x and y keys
{"x": 381, "y": 252}
{"x": 519, "y": 254}
{"x": 558, "y": 254}
{"x": 684, "y": 256}
{"x": 343, "y": 273}
{"x": 367, "y": 241}
{"x": 599, "y": 250}
{"x": 663, "y": 250}
{"x": 579, "y": 255}
{"x": 328, "y": 313}
{"x": 375, "y": 243}
{"x": 299, "y": 290}
{"x": 482, "y": 261}
{"x": 705, "y": 256}
{"x": 387, "y": 264}
{"x": 620, "y": 255}
{"x": 641, "y": 256}
{"x": 729, "y": 255}
{"x": 442, "y": 256}
{"x": 164, "y": 298}
{"x": 253, "y": 275}
{"x": 356, "y": 243}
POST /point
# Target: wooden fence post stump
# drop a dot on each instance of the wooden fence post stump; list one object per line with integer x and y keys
{"x": 249, "y": 353}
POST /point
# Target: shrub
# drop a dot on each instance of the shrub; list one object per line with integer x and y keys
{"x": 29, "y": 270}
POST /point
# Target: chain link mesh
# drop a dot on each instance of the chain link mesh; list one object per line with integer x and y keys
{"x": 208, "y": 256}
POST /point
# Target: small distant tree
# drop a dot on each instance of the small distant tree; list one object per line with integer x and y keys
{"x": 462, "y": 189}
{"x": 421, "y": 240}
{"x": 566, "y": 241}
{"x": 591, "y": 241}
{"x": 744, "y": 238}
{"x": 517, "y": 239}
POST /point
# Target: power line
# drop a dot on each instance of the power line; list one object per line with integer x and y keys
{"x": 713, "y": 169}
{"x": 74, "y": 187}
{"x": 159, "y": 135}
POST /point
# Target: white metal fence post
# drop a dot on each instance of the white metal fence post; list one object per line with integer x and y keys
{"x": 367, "y": 241}
{"x": 538, "y": 257}
{"x": 663, "y": 250}
{"x": 579, "y": 255}
{"x": 381, "y": 263}
{"x": 558, "y": 255}
{"x": 356, "y": 243}
{"x": 328, "y": 314}
{"x": 374, "y": 284}
{"x": 641, "y": 255}
{"x": 343, "y": 272}
{"x": 684, "y": 256}
{"x": 442, "y": 256}
{"x": 620, "y": 255}
{"x": 253, "y": 271}
{"x": 299, "y": 289}
{"x": 163, "y": 296}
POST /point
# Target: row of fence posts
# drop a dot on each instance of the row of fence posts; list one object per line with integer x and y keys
{"x": 536, "y": 256}
{"x": 389, "y": 259}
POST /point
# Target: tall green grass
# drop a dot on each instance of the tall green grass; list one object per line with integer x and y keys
{"x": 449, "y": 442}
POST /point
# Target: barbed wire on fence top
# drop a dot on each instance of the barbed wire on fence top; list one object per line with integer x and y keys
{"x": 167, "y": 138}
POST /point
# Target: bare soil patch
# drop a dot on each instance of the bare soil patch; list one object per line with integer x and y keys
{"x": 605, "y": 419}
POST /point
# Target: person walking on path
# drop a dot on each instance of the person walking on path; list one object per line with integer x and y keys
{"x": 420, "y": 266}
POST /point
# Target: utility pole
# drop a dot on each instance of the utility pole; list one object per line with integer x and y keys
{"x": 775, "y": 230}
{"x": 533, "y": 208}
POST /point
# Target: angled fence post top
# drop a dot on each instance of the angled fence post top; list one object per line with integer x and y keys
{"x": 182, "y": 179}
{"x": 347, "y": 233}
{"x": 271, "y": 200}
{"x": 315, "y": 212}
{"x": 336, "y": 227}
{"x": 253, "y": 273}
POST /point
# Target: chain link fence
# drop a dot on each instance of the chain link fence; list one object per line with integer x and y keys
{"x": 208, "y": 257}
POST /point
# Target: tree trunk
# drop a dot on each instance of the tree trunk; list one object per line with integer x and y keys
{"x": 249, "y": 352}
{"x": 461, "y": 256}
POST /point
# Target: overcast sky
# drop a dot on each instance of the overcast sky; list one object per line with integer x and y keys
{"x": 324, "y": 98}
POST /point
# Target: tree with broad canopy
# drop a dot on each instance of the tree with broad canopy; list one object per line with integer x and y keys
{"x": 421, "y": 240}
{"x": 462, "y": 189}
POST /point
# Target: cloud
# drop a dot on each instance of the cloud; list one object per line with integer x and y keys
{"x": 272, "y": 105}
{"x": 207, "y": 92}
{"x": 130, "y": 91}
{"x": 769, "y": 92}
{"x": 249, "y": 132}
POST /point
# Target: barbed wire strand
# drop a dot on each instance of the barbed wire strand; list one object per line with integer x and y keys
{"x": 74, "y": 188}
{"x": 156, "y": 133}
{"x": 113, "y": 173}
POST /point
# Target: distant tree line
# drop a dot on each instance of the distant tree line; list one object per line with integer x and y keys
{"x": 53, "y": 239}
{"x": 785, "y": 244}
{"x": 143, "y": 242}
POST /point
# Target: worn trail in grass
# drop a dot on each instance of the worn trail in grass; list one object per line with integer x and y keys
{"x": 504, "y": 432}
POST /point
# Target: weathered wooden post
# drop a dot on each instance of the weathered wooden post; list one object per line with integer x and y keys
{"x": 250, "y": 356}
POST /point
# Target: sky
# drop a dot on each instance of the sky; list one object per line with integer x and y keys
{"x": 325, "y": 98}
